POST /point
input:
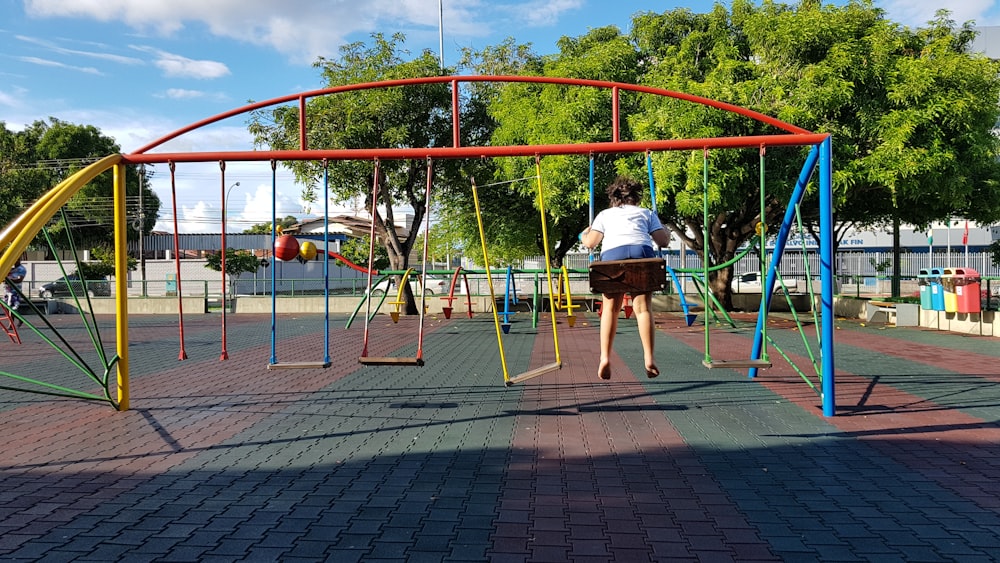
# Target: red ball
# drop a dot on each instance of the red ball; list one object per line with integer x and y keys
{"x": 286, "y": 248}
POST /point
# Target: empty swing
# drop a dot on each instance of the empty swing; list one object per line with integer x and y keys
{"x": 418, "y": 359}
{"x": 743, "y": 362}
{"x": 557, "y": 364}
{"x": 325, "y": 363}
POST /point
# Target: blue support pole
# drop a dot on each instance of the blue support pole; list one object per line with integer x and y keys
{"x": 652, "y": 183}
{"x": 826, "y": 269}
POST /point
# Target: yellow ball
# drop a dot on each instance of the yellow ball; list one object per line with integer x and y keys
{"x": 307, "y": 250}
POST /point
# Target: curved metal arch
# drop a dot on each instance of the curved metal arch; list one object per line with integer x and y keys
{"x": 453, "y": 152}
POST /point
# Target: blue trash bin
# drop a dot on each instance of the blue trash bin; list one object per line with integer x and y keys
{"x": 937, "y": 289}
{"x": 923, "y": 281}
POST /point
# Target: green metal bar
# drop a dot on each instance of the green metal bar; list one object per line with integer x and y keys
{"x": 798, "y": 323}
{"x": 762, "y": 233}
{"x": 794, "y": 367}
{"x": 698, "y": 282}
{"x": 364, "y": 298}
{"x": 704, "y": 244}
{"x": 751, "y": 245}
{"x": 63, "y": 391}
{"x": 812, "y": 294}
{"x": 72, "y": 292}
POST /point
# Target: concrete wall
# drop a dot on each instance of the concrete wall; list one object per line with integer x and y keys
{"x": 136, "y": 306}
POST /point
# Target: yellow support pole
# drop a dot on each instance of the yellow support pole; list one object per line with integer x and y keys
{"x": 399, "y": 296}
{"x": 489, "y": 280}
{"x": 570, "y": 316}
{"x": 16, "y": 236}
{"x": 121, "y": 289}
{"x": 548, "y": 266}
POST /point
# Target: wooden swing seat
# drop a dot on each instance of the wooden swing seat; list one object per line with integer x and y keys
{"x": 390, "y": 361}
{"x": 637, "y": 275}
{"x": 299, "y": 365}
{"x": 736, "y": 364}
{"x": 534, "y": 373}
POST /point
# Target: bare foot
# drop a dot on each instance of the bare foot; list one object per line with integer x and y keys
{"x": 604, "y": 370}
{"x": 652, "y": 371}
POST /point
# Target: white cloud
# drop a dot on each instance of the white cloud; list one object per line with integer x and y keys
{"x": 11, "y": 100}
{"x": 120, "y": 59}
{"x": 185, "y": 94}
{"x": 544, "y": 13}
{"x": 178, "y": 66}
{"x": 182, "y": 94}
{"x": 916, "y": 13}
{"x": 55, "y": 64}
{"x": 302, "y": 30}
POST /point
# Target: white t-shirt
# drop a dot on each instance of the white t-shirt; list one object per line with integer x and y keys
{"x": 624, "y": 225}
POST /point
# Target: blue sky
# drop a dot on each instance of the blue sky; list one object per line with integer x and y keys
{"x": 138, "y": 69}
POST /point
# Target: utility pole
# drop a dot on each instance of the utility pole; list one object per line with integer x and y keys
{"x": 142, "y": 228}
{"x": 441, "y": 32}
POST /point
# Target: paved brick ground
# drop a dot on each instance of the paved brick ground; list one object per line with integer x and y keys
{"x": 227, "y": 461}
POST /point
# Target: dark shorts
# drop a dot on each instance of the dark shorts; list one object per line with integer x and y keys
{"x": 628, "y": 251}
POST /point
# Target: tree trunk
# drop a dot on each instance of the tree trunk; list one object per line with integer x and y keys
{"x": 896, "y": 284}
{"x": 399, "y": 250}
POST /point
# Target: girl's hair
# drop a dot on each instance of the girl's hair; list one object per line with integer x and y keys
{"x": 624, "y": 191}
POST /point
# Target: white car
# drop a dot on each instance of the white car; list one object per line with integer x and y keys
{"x": 749, "y": 282}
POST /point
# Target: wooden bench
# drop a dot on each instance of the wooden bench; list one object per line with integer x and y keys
{"x": 873, "y": 308}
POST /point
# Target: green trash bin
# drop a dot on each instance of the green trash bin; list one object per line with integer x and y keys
{"x": 924, "y": 282}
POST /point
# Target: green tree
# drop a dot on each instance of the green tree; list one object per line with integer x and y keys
{"x": 356, "y": 249}
{"x": 44, "y": 154}
{"x": 21, "y": 180}
{"x": 265, "y": 228}
{"x": 552, "y": 114}
{"x": 237, "y": 262}
{"x": 910, "y": 111}
{"x": 417, "y": 116}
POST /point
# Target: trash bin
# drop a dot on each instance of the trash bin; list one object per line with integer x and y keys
{"x": 925, "y": 290}
{"x": 948, "y": 283}
{"x": 967, "y": 290}
{"x": 937, "y": 289}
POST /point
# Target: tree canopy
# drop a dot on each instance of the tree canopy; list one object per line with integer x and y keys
{"x": 418, "y": 116}
{"x": 911, "y": 113}
{"x": 43, "y": 154}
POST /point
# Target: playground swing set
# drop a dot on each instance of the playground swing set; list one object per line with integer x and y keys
{"x": 631, "y": 277}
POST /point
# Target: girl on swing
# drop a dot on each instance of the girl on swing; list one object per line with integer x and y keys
{"x": 624, "y": 230}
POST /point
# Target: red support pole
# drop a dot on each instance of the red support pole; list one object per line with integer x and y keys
{"x": 177, "y": 262}
{"x": 303, "y": 142}
{"x": 225, "y": 352}
{"x": 456, "y": 135}
{"x": 616, "y": 134}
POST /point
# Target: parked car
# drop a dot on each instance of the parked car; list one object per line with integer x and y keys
{"x": 61, "y": 287}
{"x": 747, "y": 283}
{"x": 751, "y": 282}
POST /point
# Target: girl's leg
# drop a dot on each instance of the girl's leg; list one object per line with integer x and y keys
{"x": 610, "y": 308}
{"x": 642, "y": 307}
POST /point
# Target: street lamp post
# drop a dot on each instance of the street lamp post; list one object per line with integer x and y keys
{"x": 225, "y": 205}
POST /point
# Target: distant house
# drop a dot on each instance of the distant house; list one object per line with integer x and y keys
{"x": 347, "y": 225}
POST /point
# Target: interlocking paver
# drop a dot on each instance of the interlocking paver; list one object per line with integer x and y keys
{"x": 229, "y": 461}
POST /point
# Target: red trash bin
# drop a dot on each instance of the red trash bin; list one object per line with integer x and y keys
{"x": 967, "y": 290}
